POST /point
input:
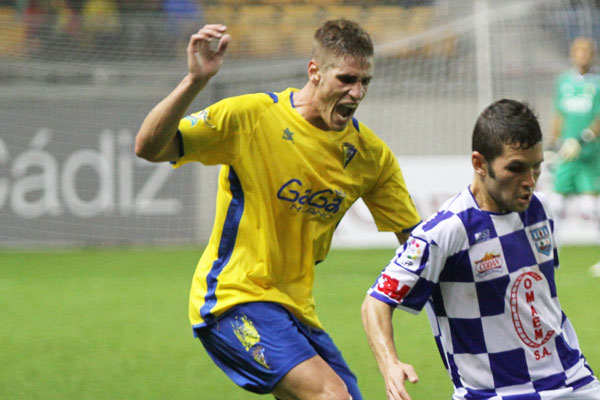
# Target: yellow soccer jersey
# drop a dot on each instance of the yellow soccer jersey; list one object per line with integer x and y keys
{"x": 284, "y": 187}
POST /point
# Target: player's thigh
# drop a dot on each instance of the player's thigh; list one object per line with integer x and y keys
{"x": 256, "y": 345}
{"x": 312, "y": 379}
{"x": 328, "y": 351}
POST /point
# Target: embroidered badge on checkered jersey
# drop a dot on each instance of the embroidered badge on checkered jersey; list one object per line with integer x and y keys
{"x": 487, "y": 260}
{"x": 390, "y": 286}
{"x": 542, "y": 239}
{"x": 411, "y": 255}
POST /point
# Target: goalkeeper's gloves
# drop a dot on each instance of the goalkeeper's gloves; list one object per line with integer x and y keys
{"x": 571, "y": 148}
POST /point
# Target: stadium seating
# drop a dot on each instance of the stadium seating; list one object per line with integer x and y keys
{"x": 12, "y": 31}
{"x": 297, "y": 25}
{"x": 226, "y": 14}
{"x": 260, "y": 29}
{"x": 385, "y": 23}
{"x": 284, "y": 27}
{"x": 353, "y": 12}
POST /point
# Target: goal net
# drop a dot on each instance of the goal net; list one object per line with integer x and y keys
{"x": 76, "y": 84}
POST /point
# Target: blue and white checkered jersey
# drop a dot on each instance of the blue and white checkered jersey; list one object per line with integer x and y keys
{"x": 487, "y": 280}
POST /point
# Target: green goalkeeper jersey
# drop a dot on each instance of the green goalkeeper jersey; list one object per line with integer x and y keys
{"x": 577, "y": 100}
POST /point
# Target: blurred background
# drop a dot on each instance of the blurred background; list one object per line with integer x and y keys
{"x": 97, "y": 248}
{"x": 77, "y": 78}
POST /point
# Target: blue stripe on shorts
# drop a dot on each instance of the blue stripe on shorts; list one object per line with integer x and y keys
{"x": 256, "y": 344}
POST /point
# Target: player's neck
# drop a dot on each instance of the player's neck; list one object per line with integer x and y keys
{"x": 582, "y": 70}
{"x": 483, "y": 198}
{"x": 304, "y": 103}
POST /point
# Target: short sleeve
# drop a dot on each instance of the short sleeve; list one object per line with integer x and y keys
{"x": 219, "y": 133}
{"x": 410, "y": 278}
{"x": 391, "y": 205}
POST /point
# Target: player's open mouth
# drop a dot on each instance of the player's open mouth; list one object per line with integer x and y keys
{"x": 345, "y": 110}
{"x": 526, "y": 198}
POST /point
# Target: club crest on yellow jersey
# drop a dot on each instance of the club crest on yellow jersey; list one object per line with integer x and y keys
{"x": 349, "y": 151}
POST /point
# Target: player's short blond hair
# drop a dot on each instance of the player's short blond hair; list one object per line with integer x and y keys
{"x": 341, "y": 38}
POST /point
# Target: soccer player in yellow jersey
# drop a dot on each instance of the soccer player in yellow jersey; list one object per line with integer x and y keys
{"x": 293, "y": 162}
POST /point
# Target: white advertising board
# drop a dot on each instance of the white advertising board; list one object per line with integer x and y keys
{"x": 431, "y": 181}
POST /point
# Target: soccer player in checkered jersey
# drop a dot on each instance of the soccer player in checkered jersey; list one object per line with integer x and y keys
{"x": 293, "y": 163}
{"x": 483, "y": 267}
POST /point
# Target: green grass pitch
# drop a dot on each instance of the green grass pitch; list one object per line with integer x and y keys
{"x": 112, "y": 324}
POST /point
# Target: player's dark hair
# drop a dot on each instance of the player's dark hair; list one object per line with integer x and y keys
{"x": 505, "y": 122}
{"x": 340, "y": 38}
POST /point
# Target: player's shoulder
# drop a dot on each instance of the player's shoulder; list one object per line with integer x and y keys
{"x": 364, "y": 131}
{"x": 566, "y": 77}
{"x": 253, "y": 100}
{"x": 248, "y": 103}
{"x": 447, "y": 224}
{"x": 540, "y": 204}
{"x": 540, "y": 196}
{"x": 368, "y": 140}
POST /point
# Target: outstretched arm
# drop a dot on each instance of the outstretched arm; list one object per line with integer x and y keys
{"x": 377, "y": 322}
{"x": 156, "y": 139}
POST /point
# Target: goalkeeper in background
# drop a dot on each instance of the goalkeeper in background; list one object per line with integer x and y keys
{"x": 293, "y": 162}
{"x": 574, "y": 134}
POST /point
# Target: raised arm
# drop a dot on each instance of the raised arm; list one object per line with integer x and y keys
{"x": 377, "y": 322}
{"x": 156, "y": 139}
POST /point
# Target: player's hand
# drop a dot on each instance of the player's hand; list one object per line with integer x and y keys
{"x": 205, "y": 51}
{"x": 395, "y": 378}
{"x": 570, "y": 149}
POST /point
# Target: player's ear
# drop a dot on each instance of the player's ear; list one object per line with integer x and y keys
{"x": 479, "y": 164}
{"x": 314, "y": 72}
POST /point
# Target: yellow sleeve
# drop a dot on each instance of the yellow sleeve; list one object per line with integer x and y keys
{"x": 390, "y": 203}
{"x": 218, "y": 134}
